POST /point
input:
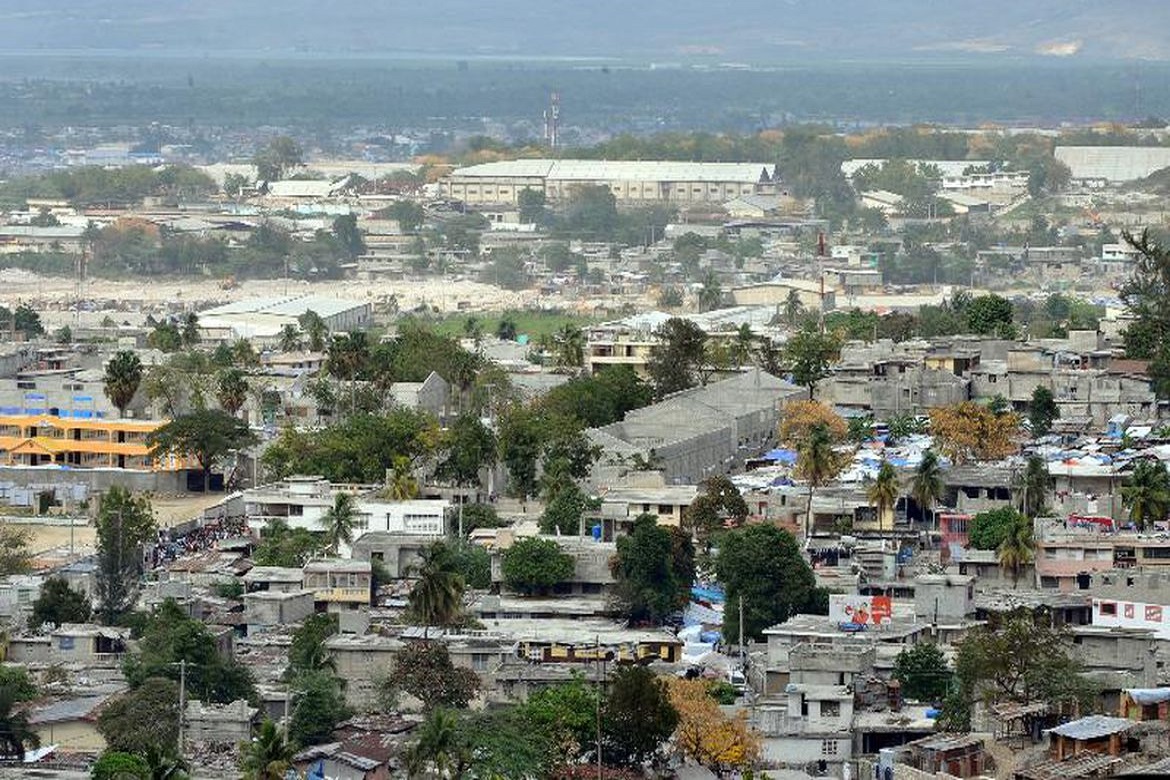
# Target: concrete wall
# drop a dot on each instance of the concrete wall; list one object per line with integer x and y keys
{"x": 98, "y": 480}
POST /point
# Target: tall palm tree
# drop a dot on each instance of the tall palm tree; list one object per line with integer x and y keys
{"x": 1015, "y": 551}
{"x": 269, "y": 755}
{"x": 1033, "y": 486}
{"x": 883, "y": 491}
{"x": 570, "y": 343}
{"x": 231, "y": 390}
{"x": 926, "y": 488}
{"x": 189, "y": 329}
{"x": 793, "y": 308}
{"x": 315, "y": 328}
{"x": 437, "y": 596}
{"x": 816, "y": 463}
{"x": 16, "y": 735}
{"x": 711, "y": 293}
{"x": 402, "y": 485}
{"x": 1146, "y": 494}
{"x": 438, "y": 748}
{"x": 339, "y": 521}
{"x": 123, "y": 375}
{"x": 290, "y": 338}
{"x": 741, "y": 346}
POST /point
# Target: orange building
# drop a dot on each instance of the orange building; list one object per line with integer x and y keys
{"x": 43, "y": 440}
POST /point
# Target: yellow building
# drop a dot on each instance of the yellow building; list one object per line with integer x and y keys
{"x": 43, "y": 440}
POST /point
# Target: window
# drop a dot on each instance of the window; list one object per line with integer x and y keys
{"x": 830, "y": 709}
{"x": 828, "y": 747}
{"x": 1108, "y": 608}
{"x": 479, "y": 662}
{"x": 665, "y": 509}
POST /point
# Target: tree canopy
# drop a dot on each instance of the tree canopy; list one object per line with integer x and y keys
{"x": 534, "y": 566}
{"x": 763, "y": 565}
{"x": 205, "y": 435}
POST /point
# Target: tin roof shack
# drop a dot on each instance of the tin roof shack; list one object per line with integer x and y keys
{"x": 339, "y": 585}
{"x": 84, "y": 644}
{"x": 1099, "y": 734}
{"x": 1085, "y": 765}
{"x": 958, "y": 755}
{"x": 273, "y": 579}
{"x": 276, "y": 608}
{"x": 1145, "y": 704}
{"x": 71, "y": 724}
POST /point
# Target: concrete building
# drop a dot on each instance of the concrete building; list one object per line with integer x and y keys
{"x": 224, "y": 724}
{"x": 630, "y": 181}
{"x": 267, "y": 608}
{"x": 46, "y": 439}
{"x": 263, "y": 318}
{"x": 696, "y": 433}
{"x": 339, "y": 585}
{"x": 70, "y": 724}
{"x": 812, "y": 294}
{"x": 1112, "y": 164}
{"x": 432, "y": 395}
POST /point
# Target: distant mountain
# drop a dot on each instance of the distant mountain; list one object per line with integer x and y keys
{"x": 754, "y": 31}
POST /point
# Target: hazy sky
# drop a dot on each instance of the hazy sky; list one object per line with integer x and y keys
{"x": 723, "y": 30}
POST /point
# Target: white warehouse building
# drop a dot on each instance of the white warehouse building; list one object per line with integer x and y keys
{"x": 636, "y": 181}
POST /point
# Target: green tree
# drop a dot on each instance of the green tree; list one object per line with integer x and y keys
{"x": 58, "y": 604}
{"x": 990, "y": 315}
{"x": 439, "y": 751}
{"x": 650, "y": 584}
{"x": 165, "y": 337}
{"x": 479, "y": 516}
{"x": 1146, "y": 494}
{"x": 1015, "y": 551}
{"x": 506, "y": 329}
{"x": 283, "y": 546}
{"x": 277, "y": 158}
{"x": 16, "y": 735}
{"x": 349, "y": 235}
{"x": 521, "y": 440}
{"x": 124, "y": 523}
{"x": 170, "y": 637}
{"x": 290, "y": 338}
{"x": 534, "y": 566}
{"x": 762, "y": 565}
{"x": 988, "y": 530}
{"x": 570, "y": 346}
{"x": 926, "y": 487}
{"x": 860, "y": 428}
{"x": 424, "y": 670}
{"x": 318, "y": 705}
{"x": 473, "y": 563}
{"x": 1032, "y": 486}
{"x": 793, "y": 309}
{"x": 269, "y": 755}
{"x": 1042, "y": 410}
{"x": 676, "y": 357}
{"x": 407, "y": 213}
{"x": 231, "y": 390}
{"x": 123, "y": 375}
{"x": 308, "y": 653}
{"x": 816, "y": 463}
{"x": 719, "y": 503}
{"x": 591, "y": 213}
{"x": 566, "y": 713}
{"x": 637, "y": 717}
{"x": 115, "y": 765}
{"x": 26, "y": 321}
{"x": 884, "y": 490}
{"x": 923, "y": 672}
{"x": 205, "y": 434}
{"x": 15, "y": 555}
{"x": 339, "y": 522}
{"x": 143, "y": 719}
{"x": 15, "y": 681}
{"x": 315, "y": 329}
{"x": 189, "y": 329}
{"x": 436, "y": 599}
{"x": 470, "y": 446}
{"x": 532, "y": 206}
{"x": 711, "y": 293}
{"x": 564, "y": 510}
{"x": 809, "y": 354}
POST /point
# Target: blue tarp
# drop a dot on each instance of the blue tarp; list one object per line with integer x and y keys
{"x": 713, "y": 594}
{"x": 787, "y": 457}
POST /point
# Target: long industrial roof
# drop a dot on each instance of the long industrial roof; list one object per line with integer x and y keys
{"x": 620, "y": 170}
{"x": 1113, "y": 163}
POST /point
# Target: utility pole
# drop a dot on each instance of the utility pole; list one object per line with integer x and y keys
{"x": 182, "y": 701}
{"x": 742, "y": 665}
{"x": 598, "y": 708}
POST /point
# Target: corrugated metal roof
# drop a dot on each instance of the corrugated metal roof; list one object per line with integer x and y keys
{"x": 620, "y": 170}
{"x": 1113, "y": 163}
{"x": 1092, "y": 727}
{"x": 69, "y": 709}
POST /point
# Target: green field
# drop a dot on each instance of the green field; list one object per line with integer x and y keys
{"x": 533, "y": 323}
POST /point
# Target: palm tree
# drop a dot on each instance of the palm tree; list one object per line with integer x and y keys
{"x": 1033, "y": 486}
{"x": 926, "y": 488}
{"x": 347, "y": 354}
{"x": 1015, "y": 551}
{"x": 163, "y": 765}
{"x": 711, "y": 293}
{"x": 123, "y": 375}
{"x": 1146, "y": 494}
{"x": 315, "y": 328}
{"x": 437, "y": 596}
{"x": 570, "y": 342}
{"x": 741, "y": 347}
{"x": 439, "y": 747}
{"x": 231, "y": 390}
{"x": 290, "y": 338}
{"x": 269, "y": 755}
{"x": 402, "y": 485}
{"x": 793, "y": 308}
{"x": 16, "y": 735}
{"x": 506, "y": 329}
{"x": 244, "y": 354}
{"x": 816, "y": 463}
{"x": 339, "y": 521}
{"x": 883, "y": 491}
